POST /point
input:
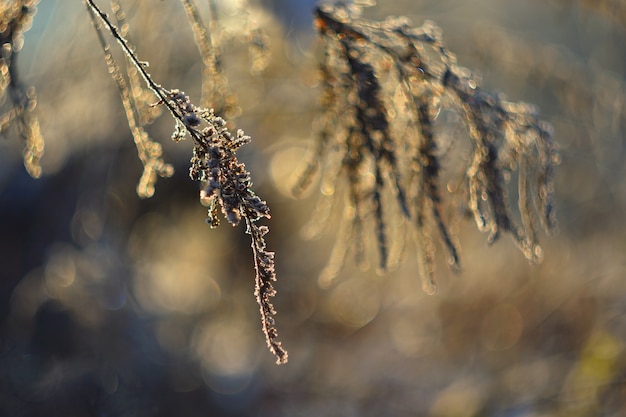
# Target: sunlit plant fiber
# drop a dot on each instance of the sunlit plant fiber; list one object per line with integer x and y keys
{"x": 383, "y": 85}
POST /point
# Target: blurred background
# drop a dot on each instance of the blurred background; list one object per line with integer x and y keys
{"x": 115, "y": 306}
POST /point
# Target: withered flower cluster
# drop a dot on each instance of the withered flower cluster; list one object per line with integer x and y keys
{"x": 383, "y": 86}
{"x": 226, "y": 185}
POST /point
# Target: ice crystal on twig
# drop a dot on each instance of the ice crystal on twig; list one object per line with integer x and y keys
{"x": 16, "y": 18}
{"x": 226, "y": 185}
{"x": 383, "y": 86}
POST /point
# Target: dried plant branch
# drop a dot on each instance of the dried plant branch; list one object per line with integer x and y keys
{"x": 380, "y": 76}
{"x": 16, "y": 18}
{"x": 142, "y": 96}
{"x": 226, "y": 185}
{"x": 150, "y": 152}
{"x": 215, "y": 90}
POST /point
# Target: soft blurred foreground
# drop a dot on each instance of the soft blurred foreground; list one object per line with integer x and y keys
{"x": 116, "y": 306}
